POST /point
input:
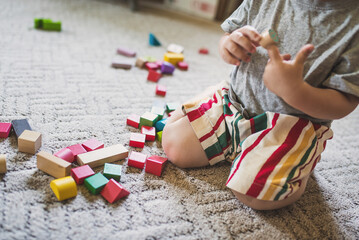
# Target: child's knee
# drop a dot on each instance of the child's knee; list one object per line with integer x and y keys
{"x": 170, "y": 145}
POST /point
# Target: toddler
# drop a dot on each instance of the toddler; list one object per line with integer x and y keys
{"x": 272, "y": 119}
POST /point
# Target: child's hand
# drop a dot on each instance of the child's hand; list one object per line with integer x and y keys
{"x": 238, "y": 45}
{"x": 282, "y": 76}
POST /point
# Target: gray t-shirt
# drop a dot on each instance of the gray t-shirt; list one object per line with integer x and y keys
{"x": 332, "y": 26}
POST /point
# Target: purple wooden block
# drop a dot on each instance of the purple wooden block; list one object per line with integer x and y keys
{"x": 167, "y": 68}
{"x": 126, "y": 52}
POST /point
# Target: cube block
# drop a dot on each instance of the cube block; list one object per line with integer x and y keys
{"x": 113, "y": 191}
{"x": 3, "y": 168}
{"x": 160, "y": 111}
{"x": 64, "y": 188}
{"x": 152, "y": 66}
{"x": 167, "y": 68}
{"x": 65, "y": 154}
{"x": 137, "y": 140}
{"x": 160, "y": 125}
{"x": 126, "y": 52}
{"x": 153, "y": 76}
{"x": 155, "y": 164}
{"x": 161, "y": 90}
{"x": 5, "y": 130}
{"x": 173, "y": 58}
{"x": 77, "y": 149}
{"x": 92, "y": 144}
{"x": 182, "y": 65}
{"x": 148, "y": 119}
{"x": 137, "y": 160}
{"x": 79, "y": 174}
{"x": 150, "y": 133}
{"x": 20, "y": 125}
{"x": 140, "y": 62}
{"x": 96, "y": 183}
{"x": 29, "y": 141}
{"x": 175, "y": 48}
{"x": 52, "y": 165}
{"x": 133, "y": 120}
{"x": 112, "y": 171}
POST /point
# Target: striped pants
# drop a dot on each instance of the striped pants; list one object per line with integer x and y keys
{"x": 270, "y": 153}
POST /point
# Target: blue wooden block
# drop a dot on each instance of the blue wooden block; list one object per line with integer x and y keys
{"x": 160, "y": 124}
{"x": 153, "y": 40}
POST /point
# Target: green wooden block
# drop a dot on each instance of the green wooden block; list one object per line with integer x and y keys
{"x": 148, "y": 119}
{"x": 159, "y": 111}
{"x": 159, "y": 136}
{"x": 96, "y": 183}
{"x": 38, "y": 23}
{"x": 48, "y": 24}
{"x": 112, "y": 171}
{"x": 172, "y": 106}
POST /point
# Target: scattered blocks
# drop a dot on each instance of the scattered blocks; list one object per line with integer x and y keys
{"x": 167, "y": 68}
{"x": 3, "y": 168}
{"x": 64, "y": 188}
{"x": 96, "y": 183}
{"x": 140, "y": 62}
{"x": 153, "y": 41}
{"x": 137, "y": 140}
{"x": 158, "y": 111}
{"x": 175, "y": 48}
{"x": 104, "y": 155}
{"x": 203, "y": 51}
{"x": 148, "y": 119}
{"x": 172, "y": 106}
{"x": 47, "y": 24}
{"x": 269, "y": 38}
{"x": 77, "y": 149}
{"x": 150, "y": 133}
{"x": 152, "y": 66}
{"x": 112, "y": 171}
{"x": 155, "y": 165}
{"x": 29, "y": 141}
{"x": 92, "y": 144}
{"x": 160, "y": 125}
{"x": 5, "y": 130}
{"x": 153, "y": 76}
{"x": 159, "y": 136}
{"x": 137, "y": 160}
{"x": 113, "y": 191}
{"x": 161, "y": 90}
{"x": 52, "y": 165}
{"x": 65, "y": 154}
{"x": 126, "y": 52}
{"x": 182, "y": 65}
{"x": 124, "y": 64}
{"x": 173, "y": 58}
{"x": 81, "y": 173}
{"x": 133, "y": 120}
{"x": 20, "y": 125}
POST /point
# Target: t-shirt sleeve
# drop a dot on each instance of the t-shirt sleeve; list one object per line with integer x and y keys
{"x": 238, "y": 18}
{"x": 345, "y": 74}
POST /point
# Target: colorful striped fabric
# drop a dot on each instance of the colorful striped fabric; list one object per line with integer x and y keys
{"x": 270, "y": 153}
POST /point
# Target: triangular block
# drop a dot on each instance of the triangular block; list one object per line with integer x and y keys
{"x": 153, "y": 40}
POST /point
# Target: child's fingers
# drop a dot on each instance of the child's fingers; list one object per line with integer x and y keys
{"x": 242, "y": 40}
{"x": 303, "y": 53}
{"x": 251, "y": 33}
{"x": 236, "y": 51}
{"x": 274, "y": 53}
{"x": 229, "y": 58}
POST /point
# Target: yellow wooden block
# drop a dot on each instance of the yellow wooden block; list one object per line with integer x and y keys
{"x": 29, "y": 141}
{"x": 3, "y": 163}
{"x": 173, "y": 58}
{"x": 64, "y": 188}
{"x": 103, "y": 155}
{"x": 52, "y": 165}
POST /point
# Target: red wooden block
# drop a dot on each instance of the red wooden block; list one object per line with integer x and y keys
{"x": 5, "y": 130}
{"x": 153, "y": 76}
{"x": 92, "y": 144}
{"x": 77, "y": 149}
{"x": 155, "y": 164}
{"x": 137, "y": 140}
{"x": 182, "y": 65}
{"x": 133, "y": 120}
{"x": 65, "y": 154}
{"x": 80, "y": 173}
{"x": 203, "y": 51}
{"x": 113, "y": 191}
{"x": 161, "y": 90}
{"x": 150, "y": 133}
{"x": 151, "y": 66}
{"x": 137, "y": 160}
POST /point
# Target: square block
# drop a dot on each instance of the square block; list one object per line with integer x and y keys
{"x": 113, "y": 191}
{"x": 167, "y": 68}
{"x": 126, "y": 52}
{"x": 81, "y": 173}
{"x": 160, "y": 125}
{"x": 152, "y": 66}
{"x": 173, "y": 58}
{"x": 96, "y": 183}
{"x": 5, "y": 130}
{"x": 77, "y": 149}
{"x": 52, "y": 165}
{"x": 65, "y": 154}
{"x": 160, "y": 111}
{"x": 3, "y": 168}
{"x": 112, "y": 171}
{"x": 159, "y": 136}
{"x": 171, "y": 106}
{"x": 119, "y": 63}
{"x": 64, "y": 188}
{"x": 137, "y": 160}
{"x": 161, "y": 90}
{"x": 137, "y": 140}
{"x": 153, "y": 76}
{"x": 29, "y": 141}
{"x": 155, "y": 164}
{"x": 133, "y": 120}
{"x": 92, "y": 144}
{"x": 182, "y": 65}
{"x": 175, "y": 48}
{"x": 140, "y": 62}
{"x": 20, "y": 125}
{"x": 150, "y": 133}
{"x": 148, "y": 119}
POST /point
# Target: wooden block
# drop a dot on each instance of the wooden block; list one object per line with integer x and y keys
{"x": 126, "y": 52}
{"x": 113, "y": 191}
{"x": 161, "y": 90}
{"x": 77, "y": 149}
{"x": 96, "y": 183}
{"x": 155, "y": 164}
{"x": 182, "y": 65}
{"x": 269, "y": 37}
{"x": 112, "y": 171}
{"x": 159, "y": 63}
{"x": 81, "y": 173}
{"x": 133, "y": 120}
{"x": 20, "y": 125}
{"x": 153, "y": 41}
{"x": 159, "y": 136}
{"x": 167, "y": 68}
{"x": 52, "y": 165}
{"x": 173, "y": 58}
{"x": 64, "y": 188}
{"x": 38, "y": 23}
{"x": 171, "y": 106}
{"x": 104, "y": 155}
{"x": 160, "y": 111}
{"x": 5, "y": 130}
{"x": 65, "y": 154}
{"x": 203, "y": 51}
{"x": 92, "y": 144}
{"x": 29, "y": 141}
{"x": 48, "y": 24}
{"x": 137, "y": 140}
{"x": 3, "y": 168}
{"x": 175, "y": 48}
{"x": 150, "y": 133}
{"x": 150, "y": 59}
{"x": 153, "y": 76}
{"x": 160, "y": 125}
{"x": 148, "y": 119}
{"x": 137, "y": 160}
{"x": 151, "y": 66}
{"x": 119, "y": 63}
{"x": 140, "y": 62}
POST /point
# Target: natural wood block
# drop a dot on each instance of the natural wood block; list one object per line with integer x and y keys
{"x": 104, "y": 155}
{"x": 140, "y": 62}
{"x": 113, "y": 191}
{"x": 81, "y": 173}
{"x": 269, "y": 37}
{"x": 5, "y": 130}
{"x": 64, "y": 188}
{"x": 112, "y": 171}
{"x": 155, "y": 164}
{"x": 20, "y": 125}
{"x": 29, "y": 141}
{"x": 65, "y": 154}
{"x": 137, "y": 140}
{"x": 3, "y": 168}
{"x": 96, "y": 183}
{"x": 52, "y": 165}
{"x": 137, "y": 160}
{"x": 92, "y": 144}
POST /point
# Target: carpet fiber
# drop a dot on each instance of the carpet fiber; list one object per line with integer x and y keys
{"x": 63, "y": 83}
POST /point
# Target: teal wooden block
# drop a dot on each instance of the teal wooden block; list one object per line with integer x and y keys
{"x": 96, "y": 183}
{"x": 148, "y": 119}
{"x": 161, "y": 124}
{"x": 112, "y": 171}
{"x": 172, "y": 106}
{"x": 159, "y": 111}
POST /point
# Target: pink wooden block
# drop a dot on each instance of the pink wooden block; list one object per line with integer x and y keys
{"x": 113, "y": 191}
{"x": 137, "y": 160}
{"x": 126, "y": 52}
{"x": 5, "y": 130}
{"x": 137, "y": 140}
{"x": 151, "y": 66}
{"x": 150, "y": 133}
{"x": 92, "y": 144}
{"x": 65, "y": 154}
{"x": 182, "y": 65}
{"x": 155, "y": 164}
{"x": 80, "y": 173}
{"x": 133, "y": 120}
{"x": 161, "y": 90}
{"x": 203, "y": 51}
{"x": 153, "y": 76}
{"x": 77, "y": 149}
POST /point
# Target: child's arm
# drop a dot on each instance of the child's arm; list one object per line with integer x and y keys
{"x": 284, "y": 77}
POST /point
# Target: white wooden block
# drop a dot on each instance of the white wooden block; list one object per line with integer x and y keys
{"x": 175, "y": 48}
{"x": 53, "y": 165}
{"x": 3, "y": 163}
{"x": 29, "y": 141}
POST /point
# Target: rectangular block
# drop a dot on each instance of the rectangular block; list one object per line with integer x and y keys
{"x": 48, "y": 24}
{"x": 52, "y": 165}
{"x": 92, "y": 144}
{"x": 104, "y": 155}
{"x": 124, "y": 64}
{"x": 173, "y": 58}
{"x": 20, "y": 125}
{"x": 3, "y": 168}
{"x": 126, "y": 52}
{"x": 29, "y": 141}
